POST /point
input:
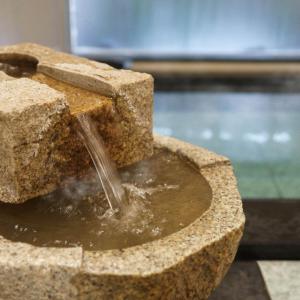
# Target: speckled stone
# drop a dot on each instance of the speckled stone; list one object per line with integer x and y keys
{"x": 132, "y": 92}
{"x": 31, "y": 116}
{"x": 187, "y": 264}
{"x": 118, "y": 101}
{"x": 32, "y": 273}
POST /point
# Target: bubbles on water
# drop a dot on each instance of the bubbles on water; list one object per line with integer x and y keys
{"x": 156, "y": 231}
{"x": 138, "y": 217}
{"x": 78, "y": 215}
{"x": 77, "y": 197}
{"x": 83, "y": 200}
{"x": 20, "y": 228}
{"x": 135, "y": 217}
{"x": 135, "y": 191}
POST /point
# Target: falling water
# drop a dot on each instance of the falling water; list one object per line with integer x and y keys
{"x": 164, "y": 195}
{"x": 107, "y": 172}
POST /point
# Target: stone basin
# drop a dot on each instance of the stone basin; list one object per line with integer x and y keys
{"x": 187, "y": 264}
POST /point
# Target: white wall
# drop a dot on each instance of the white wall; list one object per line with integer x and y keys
{"x": 39, "y": 21}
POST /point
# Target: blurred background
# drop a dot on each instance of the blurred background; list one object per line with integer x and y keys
{"x": 226, "y": 73}
{"x": 227, "y": 77}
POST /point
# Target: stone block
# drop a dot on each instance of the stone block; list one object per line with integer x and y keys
{"x": 119, "y": 102}
{"x": 34, "y": 121}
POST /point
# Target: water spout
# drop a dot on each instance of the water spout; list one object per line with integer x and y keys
{"x": 105, "y": 168}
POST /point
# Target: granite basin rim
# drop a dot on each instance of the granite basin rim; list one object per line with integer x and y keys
{"x": 163, "y": 142}
{"x": 218, "y": 229}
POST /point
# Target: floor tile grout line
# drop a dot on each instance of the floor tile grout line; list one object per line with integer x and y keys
{"x": 272, "y": 175}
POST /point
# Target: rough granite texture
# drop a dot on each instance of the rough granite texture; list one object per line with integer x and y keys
{"x": 188, "y": 264}
{"x": 31, "y": 116}
{"x": 119, "y": 101}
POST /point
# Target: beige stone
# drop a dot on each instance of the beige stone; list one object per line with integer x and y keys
{"x": 31, "y": 273}
{"x": 119, "y": 102}
{"x": 4, "y": 76}
{"x": 187, "y": 264}
{"x": 31, "y": 116}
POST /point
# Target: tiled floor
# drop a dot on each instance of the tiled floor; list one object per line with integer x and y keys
{"x": 260, "y": 280}
{"x": 244, "y": 281}
{"x": 259, "y": 132}
{"x": 282, "y": 279}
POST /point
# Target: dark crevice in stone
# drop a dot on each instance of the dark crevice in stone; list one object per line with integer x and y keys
{"x": 17, "y": 65}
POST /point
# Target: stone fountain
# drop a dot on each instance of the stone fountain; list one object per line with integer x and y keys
{"x": 40, "y": 151}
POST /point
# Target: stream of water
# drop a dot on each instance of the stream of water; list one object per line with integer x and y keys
{"x": 164, "y": 195}
{"x": 106, "y": 170}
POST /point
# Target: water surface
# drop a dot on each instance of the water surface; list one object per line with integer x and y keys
{"x": 165, "y": 192}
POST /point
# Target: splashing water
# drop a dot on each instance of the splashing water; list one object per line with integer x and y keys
{"x": 107, "y": 172}
{"x": 163, "y": 195}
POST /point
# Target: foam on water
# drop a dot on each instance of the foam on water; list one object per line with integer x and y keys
{"x": 164, "y": 194}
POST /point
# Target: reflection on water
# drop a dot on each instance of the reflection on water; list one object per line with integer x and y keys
{"x": 164, "y": 192}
